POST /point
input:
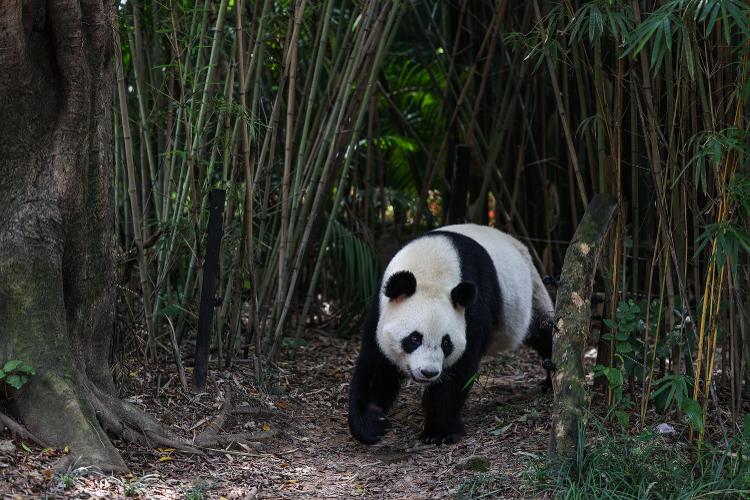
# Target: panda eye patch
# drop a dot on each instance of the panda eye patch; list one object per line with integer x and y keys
{"x": 446, "y": 345}
{"x": 412, "y": 342}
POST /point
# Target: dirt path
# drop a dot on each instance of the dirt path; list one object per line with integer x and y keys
{"x": 302, "y": 446}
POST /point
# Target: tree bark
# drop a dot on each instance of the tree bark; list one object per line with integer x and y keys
{"x": 56, "y": 226}
{"x": 572, "y": 319}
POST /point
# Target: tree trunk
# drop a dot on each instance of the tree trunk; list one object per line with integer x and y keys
{"x": 572, "y": 319}
{"x": 56, "y": 226}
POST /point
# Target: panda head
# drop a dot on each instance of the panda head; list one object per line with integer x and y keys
{"x": 422, "y": 328}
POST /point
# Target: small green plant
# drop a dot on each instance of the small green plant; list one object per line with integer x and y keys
{"x": 677, "y": 388}
{"x": 626, "y": 330}
{"x": 469, "y": 383}
{"x": 621, "y": 403}
{"x": 194, "y": 494}
{"x": 131, "y": 490}
{"x": 293, "y": 342}
{"x": 480, "y": 485}
{"x": 67, "y": 480}
{"x": 15, "y": 373}
{"x": 198, "y": 491}
{"x": 627, "y": 333}
{"x": 475, "y": 463}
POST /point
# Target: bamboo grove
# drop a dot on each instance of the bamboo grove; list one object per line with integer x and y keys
{"x": 340, "y": 128}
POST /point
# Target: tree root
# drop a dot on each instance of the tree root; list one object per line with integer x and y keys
{"x": 131, "y": 424}
{"x": 17, "y": 429}
{"x": 216, "y": 426}
{"x": 213, "y": 437}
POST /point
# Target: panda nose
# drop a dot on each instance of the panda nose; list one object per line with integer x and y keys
{"x": 429, "y": 373}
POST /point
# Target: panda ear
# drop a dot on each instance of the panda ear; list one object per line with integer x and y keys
{"x": 400, "y": 284}
{"x": 464, "y": 294}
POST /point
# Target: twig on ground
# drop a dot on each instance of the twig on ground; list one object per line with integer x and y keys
{"x": 177, "y": 357}
{"x": 205, "y": 440}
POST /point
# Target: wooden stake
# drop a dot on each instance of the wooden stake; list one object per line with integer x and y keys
{"x": 572, "y": 318}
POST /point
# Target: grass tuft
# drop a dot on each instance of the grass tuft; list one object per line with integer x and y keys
{"x": 647, "y": 465}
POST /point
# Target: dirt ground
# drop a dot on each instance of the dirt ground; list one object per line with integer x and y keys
{"x": 297, "y": 442}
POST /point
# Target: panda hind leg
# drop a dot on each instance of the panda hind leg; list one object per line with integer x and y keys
{"x": 539, "y": 338}
{"x": 541, "y": 329}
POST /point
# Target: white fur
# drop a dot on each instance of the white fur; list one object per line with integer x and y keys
{"x": 435, "y": 264}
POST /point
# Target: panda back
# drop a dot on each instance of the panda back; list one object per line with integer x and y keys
{"x": 514, "y": 271}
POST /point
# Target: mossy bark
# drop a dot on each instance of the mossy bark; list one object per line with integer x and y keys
{"x": 56, "y": 225}
{"x": 572, "y": 321}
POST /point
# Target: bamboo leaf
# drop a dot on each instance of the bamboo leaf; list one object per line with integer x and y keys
{"x": 694, "y": 413}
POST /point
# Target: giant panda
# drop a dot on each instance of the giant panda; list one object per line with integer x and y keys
{"x": 444, "y": 300}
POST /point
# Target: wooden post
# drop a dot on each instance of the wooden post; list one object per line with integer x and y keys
{"x": 208, "y": 289}
{"x": 459, "y": 180}
{"x": 572, "y": 321}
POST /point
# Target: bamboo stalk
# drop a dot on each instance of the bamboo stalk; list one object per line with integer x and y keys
{"x": 135, "y": 206}
{"x": 288, "y": 148}
{"x": 382, "y": 32}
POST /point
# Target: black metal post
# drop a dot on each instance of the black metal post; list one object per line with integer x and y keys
{"x": 459, "y": 184}
{"x": 208, "y": 290}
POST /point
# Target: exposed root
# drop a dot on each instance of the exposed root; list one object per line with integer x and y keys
{"x": 217, "y": 425}
{"x": 131, "y": 424}
{"x": 213, "y": 436}
{"x": 18, "y": 430}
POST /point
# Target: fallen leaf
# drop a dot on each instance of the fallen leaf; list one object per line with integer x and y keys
{"x": 48, "y": 473}
{"x": 165, "y": 458}
{"x": 266, "y": 427}
{"x": 282, "y": 405}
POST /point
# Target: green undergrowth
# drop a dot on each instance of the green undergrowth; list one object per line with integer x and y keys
{"x": 481, "y": 485}
{"x": 647, "y": 465}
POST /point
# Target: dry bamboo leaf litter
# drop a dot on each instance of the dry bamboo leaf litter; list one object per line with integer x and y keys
{"x": 308, "y": 452}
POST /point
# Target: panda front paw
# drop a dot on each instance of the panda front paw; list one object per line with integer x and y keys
{"x": 450, "y": 435}
{"x": 440, "y": 438}
{"x": 370, "y": 426}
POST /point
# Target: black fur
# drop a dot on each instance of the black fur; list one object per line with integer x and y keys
{"x": 374, "y": 386}
{"x": 446, "y": 345}
{"x": 402, "y": 283}
{"x": 376, "y": 380}
{"x": 412, "y": 342}
{"x": 539, "y": 338}
{"x": 464, "y": 294}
